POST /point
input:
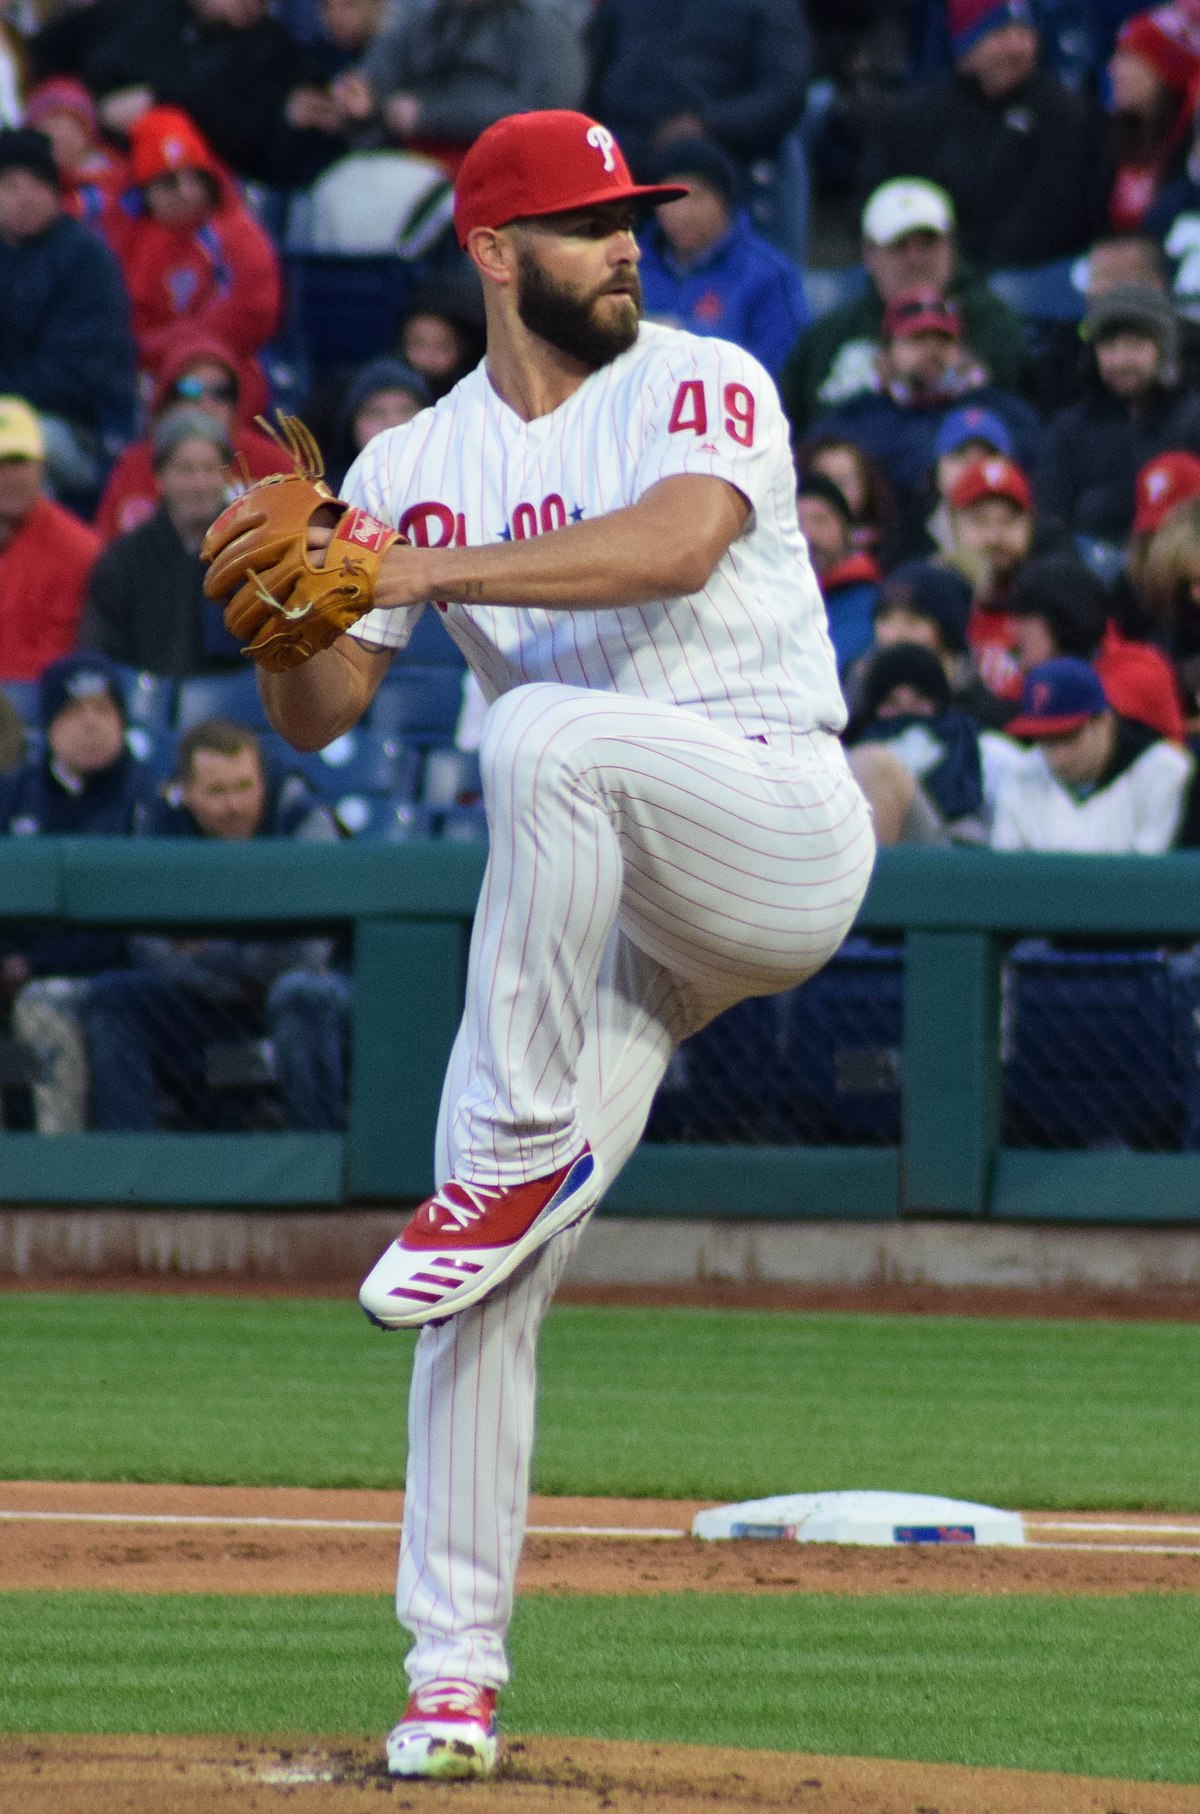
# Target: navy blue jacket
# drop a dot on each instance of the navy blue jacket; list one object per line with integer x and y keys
{"x": 66, "y": 343}
{"x": 742, "y": 66}
{"x": 1093, "y": 450}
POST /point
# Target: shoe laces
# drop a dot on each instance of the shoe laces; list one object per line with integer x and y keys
{"x": 448, "y": 1697}
{"x": 443, "y": 1209}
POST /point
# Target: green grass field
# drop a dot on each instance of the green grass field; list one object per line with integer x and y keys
{"x": 675, "y": 1403}
{"x": 1101, "y": 1687}
{"x": 714, "y": 1405}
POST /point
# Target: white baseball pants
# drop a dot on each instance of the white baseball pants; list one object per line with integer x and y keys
{"x": 647, "y": 869}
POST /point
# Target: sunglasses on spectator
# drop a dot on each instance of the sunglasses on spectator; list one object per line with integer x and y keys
{"x": 191, "y": 388}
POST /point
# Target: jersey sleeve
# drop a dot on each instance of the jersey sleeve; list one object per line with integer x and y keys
{"x": 366, "y": 485}
{"x": 711, "y": 408}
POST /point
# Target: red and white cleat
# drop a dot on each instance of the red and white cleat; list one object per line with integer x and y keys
{"x": 467, "y": 1237}
{"x": 448, "y": 1731}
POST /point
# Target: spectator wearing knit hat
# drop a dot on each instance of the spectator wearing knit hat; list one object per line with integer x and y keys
{"x": 707, "y": 268}
{"x": 925, "y": 374}
{"x": 89, "y": 167}
{"x": 1092, "y": 781}
{"x": 188, "y": 247}
{"x": 65, "y": 341}
{"x": 908, "y": 243}
{"x": 849, "y": 579}
{"x": 146, "y": 605}
{"x": 928, "y": 603}
{"x": 384, "y": 393}
{"x": 1022, "y": 156}
{"x": 46, "y": 553}
{"x": 1154, "y": 76}
{"x": 915, "y": 755}
{"x": 1134, "y": 407}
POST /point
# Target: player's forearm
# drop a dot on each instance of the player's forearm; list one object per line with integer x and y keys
{"x": 312, "y": 704}
{"x": 665, "y": 546}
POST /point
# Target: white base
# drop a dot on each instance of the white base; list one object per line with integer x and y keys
{"x": 862, "y": 1517}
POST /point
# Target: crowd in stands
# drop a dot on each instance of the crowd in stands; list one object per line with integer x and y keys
{"x": 994, "y": 400}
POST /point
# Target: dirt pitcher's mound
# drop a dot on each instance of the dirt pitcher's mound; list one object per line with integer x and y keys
{"x": 144, "y": 1775}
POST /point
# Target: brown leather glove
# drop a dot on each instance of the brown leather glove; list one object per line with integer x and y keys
{"x": 281, "y": 607}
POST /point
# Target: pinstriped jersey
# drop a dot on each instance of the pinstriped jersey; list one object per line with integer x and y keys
{"x": 750, "y": 650}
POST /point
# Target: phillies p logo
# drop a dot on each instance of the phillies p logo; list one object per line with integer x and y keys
{"x": 601, "y": 140}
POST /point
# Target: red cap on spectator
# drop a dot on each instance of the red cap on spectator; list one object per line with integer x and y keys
{"x": 993, "y": 477}
{"x": 1167, "y": 480}
{"x": 547, "y": 162}
{"x": 1168, "y": 39}
{"x": 921, "y": 312}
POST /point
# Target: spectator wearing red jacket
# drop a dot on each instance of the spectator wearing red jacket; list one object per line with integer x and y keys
{"x": 189, "y": 248}
{"x": 1154, "y": 75}
{"x": 46, "y": 553}
{"x": 200, "y": 370}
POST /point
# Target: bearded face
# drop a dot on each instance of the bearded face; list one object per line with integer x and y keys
{"x": 592, "y": 326}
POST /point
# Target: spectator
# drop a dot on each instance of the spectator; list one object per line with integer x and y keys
{"x": 992, "y": 535}
{"x": 1059, "y": 607}
{"x": 65, "y": 342}
{"x": 1022, "y": 156}
{"x": 849, "y": 581}
{"x": 1171, "y": 587}
{"x": 1163, "y": 486}
{"x": 908, "y": 243}
{"x": 46, "y": 553}
{"x": 436, "y": 78}
{"x": 441, "y": 332}
{"x": 737, "y": 73}
{"x": 145, "y": 601}
{"x": 227, "y": 64}
{"x": 199, "y": 370}
{"x": 1134, "y": 408}
{"x": 706, "y": 268}
{"x": 384, "y": 393}
{"x": 1058, "y": 368}
{"x": 862, "y": 483}
{"x": 84, "y": 781}
{"x": 188, "y": 246}
{"x": 916, "y": 758}
{"x": 89, "y": 168}
{"x": 315, "y": 130}
{"x": 923, "y": 602}
{"x": 1092, "y": 781}
{"x": 965, "y": 435}
{"x": 179, "y": 997}
{"x": 925, "y": 374}
{"x": 1152, "y": 75}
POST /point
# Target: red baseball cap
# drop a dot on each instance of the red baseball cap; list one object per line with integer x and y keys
{"x": 991, "y": 477}
{"x": 921, "y": 312}
{"x": 1167, "y": 480}
{"x": 547, "y": 162}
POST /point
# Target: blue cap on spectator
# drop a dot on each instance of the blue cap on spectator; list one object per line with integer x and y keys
{"x": 962, "y": 426}
{"x": 74, "y": 677}
{"x": 1057, "y": 697}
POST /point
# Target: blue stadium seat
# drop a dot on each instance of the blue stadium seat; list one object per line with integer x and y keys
{"x": 233, "y": 695}
{"x": 828, "y": 290}
{"x": 155, "y": 745}
{"x": 381, "y": 818}
{"x": 1041, "y": 293}
{"x": 24, "y": 695}
{"x": 451, "y": 778}
{"x": 430, "y": 647}
{"x": 149, "y": 698}
{"x": 344, "y": 310}
{"x": 363, "y": 761}
{"x": 419, "y": 703}
{"x": 463, "y": 824}
{"x": 1091, "y": 1047}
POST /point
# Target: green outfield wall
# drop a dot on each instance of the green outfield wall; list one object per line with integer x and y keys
{"x": 410, "y": 907}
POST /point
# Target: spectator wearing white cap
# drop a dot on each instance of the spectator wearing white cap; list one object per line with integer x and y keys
{"x": 1022, "y": 156}
{"x": 908, "y": 243}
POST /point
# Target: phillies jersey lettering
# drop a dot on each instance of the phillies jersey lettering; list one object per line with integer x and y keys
{"x": 749, "y": 650}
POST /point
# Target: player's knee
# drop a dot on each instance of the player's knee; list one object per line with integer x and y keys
{"x": 528, "y": 736}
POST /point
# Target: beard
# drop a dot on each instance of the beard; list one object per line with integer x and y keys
{"x": 569, "y": 322}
